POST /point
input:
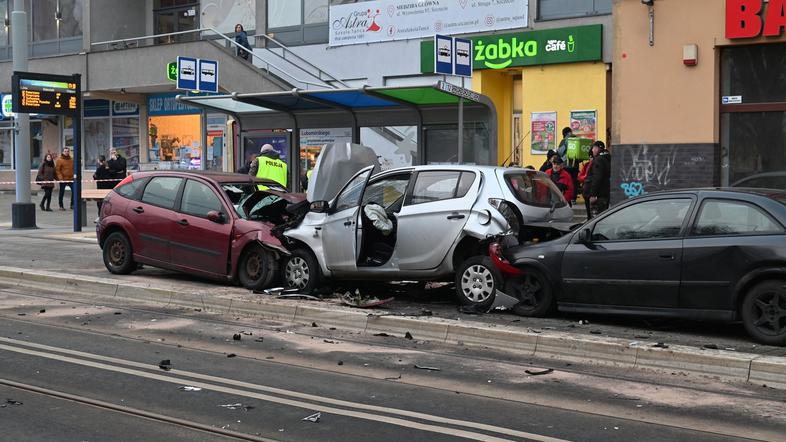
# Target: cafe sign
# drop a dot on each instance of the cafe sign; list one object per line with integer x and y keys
{"x": 500, "y": 51}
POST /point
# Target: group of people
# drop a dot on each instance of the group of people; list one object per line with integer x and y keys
{"x": 592, "y": 176}
{"x": 61, "y": 171}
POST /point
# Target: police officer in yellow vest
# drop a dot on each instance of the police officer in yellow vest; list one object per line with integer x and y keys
{"x": 268, "y": 166}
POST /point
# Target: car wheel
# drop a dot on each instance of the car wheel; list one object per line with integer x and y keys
{"x": 256, "y": 269}
{"x": 764, "y": 312}
{"x": 476, "y": 282}
{"x": 118, "y": 256}
{"x": 301, "y": 271}
{"x": 534, "y": 293}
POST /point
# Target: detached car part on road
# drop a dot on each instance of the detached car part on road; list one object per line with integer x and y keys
{"x": 213, "y": 225}
{"x": 423, "y": 223}
{"x": 717, "y": 254}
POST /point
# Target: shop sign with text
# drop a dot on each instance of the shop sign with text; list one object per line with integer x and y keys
{"x": 388, "y": 20}
{"x": 749, "y": 19}
{"x": 563, "y": 45}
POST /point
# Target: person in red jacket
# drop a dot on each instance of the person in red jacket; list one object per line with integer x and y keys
{"x": 561, "y": 177}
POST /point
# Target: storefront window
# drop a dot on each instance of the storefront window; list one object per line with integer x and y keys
{"x": 757, "y": 73}
{"x": 752, "y": 143}
{"x": 254, "y": 140}
{"x": 175, "y": 141}
{"x": 96, "y": 140}
{"x": 6, "y": 147}
{"x": 553, "y": 9}
{"x": 125, "y": 138}
{"x": 216, "y": 141}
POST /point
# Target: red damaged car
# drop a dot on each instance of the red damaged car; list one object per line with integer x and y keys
{"x": 213, "y": 225}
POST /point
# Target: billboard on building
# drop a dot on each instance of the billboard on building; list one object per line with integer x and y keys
{"x": 388, "y": 20}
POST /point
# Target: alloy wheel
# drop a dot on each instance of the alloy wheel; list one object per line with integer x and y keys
{"x": 769, "y": 313}
{"x": 297, "y": 273}
{"x": 477, "y": 283}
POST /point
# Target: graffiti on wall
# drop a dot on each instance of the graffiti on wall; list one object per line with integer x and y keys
{"x": 646, "y": 169}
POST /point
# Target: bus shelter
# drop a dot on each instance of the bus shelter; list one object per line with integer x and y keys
{"x": 447, "y": 117}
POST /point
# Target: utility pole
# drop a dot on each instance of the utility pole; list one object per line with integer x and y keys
{"x": 22, "y": 211}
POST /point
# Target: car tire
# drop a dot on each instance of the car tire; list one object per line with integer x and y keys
{"x": 256, "y": 269}
{"x": 477, "y": 280}
{"x": 532, "y": 289}
{"x": 763, "y": 312}
{"x": 118, "y": 255}
{"x": 301, "y": 271}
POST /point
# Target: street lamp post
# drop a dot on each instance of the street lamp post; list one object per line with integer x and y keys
{"x": 22, "y": 211}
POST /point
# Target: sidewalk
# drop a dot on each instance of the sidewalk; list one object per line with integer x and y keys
{"x": 56, "y": 219}
{"x": 57, "y": 259}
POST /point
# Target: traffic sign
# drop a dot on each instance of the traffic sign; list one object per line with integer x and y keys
{"x": 187, "y": 73}
{"x": 462, "y": 57}
{"x": 208, "y": 75}
{"x": 443, "y": 55}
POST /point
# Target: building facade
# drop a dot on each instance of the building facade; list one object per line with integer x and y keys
{"x": 699, "y": 95}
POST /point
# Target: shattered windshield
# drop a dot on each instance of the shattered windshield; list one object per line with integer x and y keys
{"x": 253, "y": 204}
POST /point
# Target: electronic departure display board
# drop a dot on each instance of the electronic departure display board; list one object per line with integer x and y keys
{"x": 36, "y": 93}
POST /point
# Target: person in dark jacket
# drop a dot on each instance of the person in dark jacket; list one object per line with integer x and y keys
{"x": 600, "y": 178}
{"x": 46, "y": 178}
{"x": 561, "y": 178}
{"x": 241, "y": 38}
{"x": 103, "y": 176}
{"x": 562, "y": 149}
{"x": 117, "y": 166}
{"x": 547, "y": 164}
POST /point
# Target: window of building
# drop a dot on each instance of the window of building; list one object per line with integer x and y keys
{"x": 296, "y": 22}
{"x": 554, "y": 9}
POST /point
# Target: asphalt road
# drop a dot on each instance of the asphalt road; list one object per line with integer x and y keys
{"x": 76, "y": 370}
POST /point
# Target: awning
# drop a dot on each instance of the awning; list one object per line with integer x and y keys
{"x": 441, "y": 103}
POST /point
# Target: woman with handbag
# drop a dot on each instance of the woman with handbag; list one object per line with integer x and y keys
{"x": 46, "y": 178}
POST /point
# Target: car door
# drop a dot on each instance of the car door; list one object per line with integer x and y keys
{"x": 634, "y": 257}
{"x": 152, "y": 218}
{"x": 198, "y": 243}
{"x": 727, "y": 236}
{"x": 339, "y": 232}
{"x": 434, "y": 216}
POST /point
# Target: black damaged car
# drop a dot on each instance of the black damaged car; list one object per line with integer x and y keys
{"x": 714, "y": 254}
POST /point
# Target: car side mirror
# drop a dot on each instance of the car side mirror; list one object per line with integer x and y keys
{"x": 585, "y": 236}
{"x": 216, "y": 216}
{"x": 319, "y": 207}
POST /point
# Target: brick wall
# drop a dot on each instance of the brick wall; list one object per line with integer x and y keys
{"x": 638, "y": 169}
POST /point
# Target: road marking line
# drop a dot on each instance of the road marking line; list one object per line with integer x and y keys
{"x": 289, "y": 402}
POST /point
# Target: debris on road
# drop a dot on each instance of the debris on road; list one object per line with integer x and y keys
{"x": 408, "y": 335}
{"x": 314, "y": 417}
{"x": 660, "y": 345}
{"x": 259, "y": 339}
{"x": 503, "y": 302}
{"x": 118, "y": 313}
{"x": 231, "y": 355}
{"x": 394, "y": 379}
{"x": 423, "y": 367}
{"x": 384, "y": 335}
{"x": 359, "y": 301}
{"x": 10, "y": 402}
{"x": 340, "y": 362}
{"x": 583, "y": 322}
{"x": 298, "y": 296}
{"x": 596, "y": 332}
{"x": 189, "y": 388}
{"x": 43, "y": 310}
{"x": 236, "y": 336}
{"x": 237, "y": 406}
{"x": 539, "y": 372}
{"x": 314, "y": 324}
{"x": 710, "y": 346}
{"x": 329, "y": 341}
{"x": 165, "y": 365}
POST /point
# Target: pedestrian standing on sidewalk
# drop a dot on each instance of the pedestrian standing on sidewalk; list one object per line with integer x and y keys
{"x": 117, "y": 166}
{"x": 585, "y": 180}
{"x": 103, "y": 177}
{"x": 562, "y": 149}
{"x": 547, "y": 164}
{"x": 46, "y": 177}
{"x": 64, "y": 172}
{"x": 561, "y": 178}
{"x": 241, "y": 38}
{"x": 600, "y": 176}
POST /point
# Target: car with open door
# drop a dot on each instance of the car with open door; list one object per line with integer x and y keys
{"x": 213, "y": 225}
{"x": 716, "y": 254}
{"x": 424, "y": 223}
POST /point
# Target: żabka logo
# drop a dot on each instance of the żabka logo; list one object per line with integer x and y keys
{"x": 500, "y": 55}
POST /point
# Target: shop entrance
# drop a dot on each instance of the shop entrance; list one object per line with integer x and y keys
{"x": 753, "y": 125}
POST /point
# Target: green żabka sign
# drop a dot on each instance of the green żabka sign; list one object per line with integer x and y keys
{"x": 550, "y": 46}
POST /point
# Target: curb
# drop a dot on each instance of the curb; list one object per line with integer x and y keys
{"x": 615, "y": 352}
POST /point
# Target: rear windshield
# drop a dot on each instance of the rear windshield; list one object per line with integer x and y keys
{"x": 535, "y": 189}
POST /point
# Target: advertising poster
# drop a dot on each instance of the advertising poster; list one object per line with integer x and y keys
{"x": 312, "y": 140}
{"x": 388, "y": 20}
{"x": 584, "y": 124}
{"x": 544, "y": 132}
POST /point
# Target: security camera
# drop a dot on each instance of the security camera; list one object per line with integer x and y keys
{"x": 648, "y": 2}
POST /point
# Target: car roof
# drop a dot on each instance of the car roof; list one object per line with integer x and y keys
{"x": 727, "y": 191}
{"x": 481, "y": 169}
{"x": 220, "y": 177}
